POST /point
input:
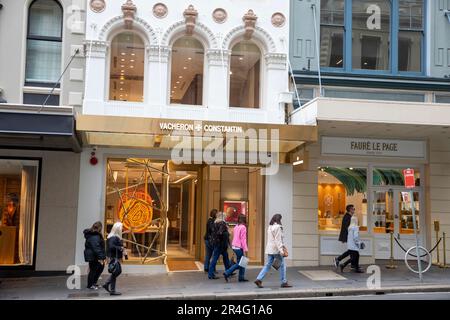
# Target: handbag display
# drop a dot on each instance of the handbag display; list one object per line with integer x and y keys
{"x": 243, "y": 262}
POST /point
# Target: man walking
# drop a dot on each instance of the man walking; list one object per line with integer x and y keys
{"x": 350, "y": 210}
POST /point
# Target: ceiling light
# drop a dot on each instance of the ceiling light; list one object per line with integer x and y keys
{"x": 231, "y": 72}
{"x": 132, "y": 60}
{"x": 351, "y": 168}
{"x": 173, "y": 91}
{"x": 122, "y": 66}
{"x": 241, "y": 58}
{"x": 133, "y": 54}
{"x": 131, "y": 67}
{"x": 123, "y": 53}
{"x": 178, "y": 82}
{"x": 185, "y": 68}
{"x": 174, "y": 87}
{"x": 296, "y": 163}
{"x": 180, "y": 77}
{"x": 189, "y": 58}
{"x": 121, "y": 82}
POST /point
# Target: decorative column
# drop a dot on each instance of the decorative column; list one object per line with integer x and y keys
{"x": 129, "y": 11}
{"x": 250, "y": 24}
{"x": 218, "y": 70}
{"x": 276, "y": 82}
{"x": 158, "y": 77}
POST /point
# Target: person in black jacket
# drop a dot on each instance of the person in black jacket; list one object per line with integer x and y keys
{"x": 115, "y": 252}
{"x": 350, "y": 210}
{"x": 94, "y": 253}
{"x": 208, "y": 239}
{"x": 221, "y": 241}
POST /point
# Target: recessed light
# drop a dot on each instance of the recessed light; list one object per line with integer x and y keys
{"x": 122, "y": 71}
{"x": 180, "y": 77}
{"x": 185, "y": 68}
{"x": 123, "y": 60}
{"x": 175, "y": 87}
{"x": 133, "y": 54}
{"x": 189, "y": 58}
{"x": 122, "y": 66}
{"x": 178, "y": 82}
{"x": 173, "y": 91}
{"x": 123, "y": 53}
{"x": 231, "y": 72}
{"x": 241, "y": 58}
{"x": 121, "y": 89}
{"x": 131, "y": 67}
{"x": 121, "y": 82}
{"x": 132, "y": 60}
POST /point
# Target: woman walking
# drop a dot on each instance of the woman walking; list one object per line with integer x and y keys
{"x": 354, "y": 244}
{"x": 208, "y": 239}
{"x": 115, "y": 253}
{"x": 239, "y": 245}
{"x": 275, "y": 249}
{"x": 94, "y": 253}
{"x": 221, "y": 242}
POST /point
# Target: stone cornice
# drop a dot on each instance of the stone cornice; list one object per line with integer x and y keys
{"x": 276, "y": 61}
{"x": 217, "y": 57}
{"x": 95, "y": 48}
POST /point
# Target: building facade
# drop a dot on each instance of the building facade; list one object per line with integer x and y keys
{"x": 374, "y": 77}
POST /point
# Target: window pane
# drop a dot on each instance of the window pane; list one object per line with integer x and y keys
{"x": 339, "y": 187}
{"x": 332, "y": 12}
{"x": 392, "y": 177}
{"x": 410, "y": 51}
{"x": 43, "y": 61}
{"x": 127, "y": 68}
{"x": 46, "y": 18}
{"x": 411, "y": 14}
{"x": 383, "y": 212}
{"x": 188, "y": 57}
{"x": 371, "y": 34}
{"x": 18, "y": 189}
{"x": 405, "y": 211}
{"x": 332, "y": 47}
{"x": 245, "y": 75}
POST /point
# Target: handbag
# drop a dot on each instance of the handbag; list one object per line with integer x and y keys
{"x": 113, "y": 266}
{"x": 285, "y": 252}
{"x": 276, "y": 264}
{"x": 243, "y": 262}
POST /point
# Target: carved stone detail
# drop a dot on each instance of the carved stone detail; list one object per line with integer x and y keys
{"x": 129, "y": 11}
{"x": 217, "y": 57}
{"x": 220, "y": 15}
{"x": 200, "y": 27}
{"x": 160, "y": 10}
{"x": 250, "y": 24}
{"x": 276, "y": 61}
{"x": 158, "y": 53}
{"x": 95, "y": 49}
{"x": 97, "y": 5}
{"x": 190, "y": 16}
{"x": 262, "y": 35}
{"x": 118, "y": 19}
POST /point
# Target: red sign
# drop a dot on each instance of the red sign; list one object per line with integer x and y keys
{"x": 410, "y": 181}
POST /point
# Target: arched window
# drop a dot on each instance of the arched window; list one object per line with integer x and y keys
{"x": 186, "y": 86}
{"x": 126, "y": 80}
{"x": 44, "y": 43}
{"x": 245, "y": 75}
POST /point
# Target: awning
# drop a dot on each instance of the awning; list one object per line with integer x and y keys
{"x": 28, "y": 127}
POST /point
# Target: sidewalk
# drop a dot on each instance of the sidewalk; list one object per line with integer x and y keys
{"x": 195, "y": 285}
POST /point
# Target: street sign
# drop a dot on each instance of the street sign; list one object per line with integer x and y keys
{"x": 410, "y": 181}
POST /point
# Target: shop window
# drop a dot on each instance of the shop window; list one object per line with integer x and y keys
{"x": 339, "y": 187}
{"x": 245, "y": 69}
{"x": 392, "y": 177}
{"x": 332, "y": 33}
{"x": 18, "y": 196}
{"x": 127, "y": 68}
{"x": 44, "y": 43}
{"x": 186, "y": 86}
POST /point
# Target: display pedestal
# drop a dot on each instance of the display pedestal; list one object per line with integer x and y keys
{"x": 7, "y": 244}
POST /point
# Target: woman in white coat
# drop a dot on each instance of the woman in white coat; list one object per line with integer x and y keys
{"x": 353, "y": 245}
{"x": 275, "y": 249}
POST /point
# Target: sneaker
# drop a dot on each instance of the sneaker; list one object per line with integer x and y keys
{"x": 93, "y": 287}
{"x": 213, "y": 278}
{"x": 226, "y": 277}
{"x": 259, "y": 283}
{"x": 336, "y": 262}
{"x": 286, "y": 285}
{"x": 243, "y": 280}
{"x": 115, "y": 293}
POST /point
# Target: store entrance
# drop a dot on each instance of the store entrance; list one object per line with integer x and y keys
{"x": 392, "y": 212}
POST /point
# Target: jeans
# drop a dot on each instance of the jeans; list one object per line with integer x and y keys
{"x": 354, "y": 260}
{"x": 217, "y": 252}
{"x": 343, "y": 256}
{"x": 209, "y": 248}
{"x": 271, "y": 258}
{"x": 95, "y": 270}
{"x": 239, "y": 253}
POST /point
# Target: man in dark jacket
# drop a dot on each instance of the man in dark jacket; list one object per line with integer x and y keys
{"x": 350, "y": 210}
{"x": 94, "y": 253}
{"x": 209, "y": 247}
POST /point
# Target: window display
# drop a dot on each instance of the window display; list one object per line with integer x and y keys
{"x": 233, "y": 209}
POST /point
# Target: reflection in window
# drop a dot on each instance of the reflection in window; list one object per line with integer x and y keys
{"x": 245, "y": 75}
{"x": 332, "y": 33}
{"x": 392, "y": 177}
{"x": 410, "y": 36}
{"x": 371, "y": 35}
{"x": 18, "y": 189}
{"x": 186, "y": 86}
{"x": 127, "y": 68}
{"x": 44, "y": 42}
{"x": 339, "y": 187}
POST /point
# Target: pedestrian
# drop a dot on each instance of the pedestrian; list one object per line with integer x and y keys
{"x": 275, "y": 249}
{"x": 240, "y": 248}
{"x": 221, "y": 242}
{"x": 354, "y": 244}
{"x": 115, "y": 252}
{"x": 208, "y": 239}
{"x": 349, "y": 212}
{"x": 94, "y": 254}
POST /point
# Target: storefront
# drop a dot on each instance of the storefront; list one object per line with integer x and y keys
{"x": 163, "y": 194}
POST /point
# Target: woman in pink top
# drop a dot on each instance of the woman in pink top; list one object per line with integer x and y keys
{"x": 240, "y": 248}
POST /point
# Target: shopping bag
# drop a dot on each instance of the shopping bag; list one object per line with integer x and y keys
{"x": 243, "y": 262}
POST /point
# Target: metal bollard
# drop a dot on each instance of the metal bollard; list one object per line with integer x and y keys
{"x": 436, "y": 228}
{"x": 392, "y": 265}
{"x": 444, "y": 264}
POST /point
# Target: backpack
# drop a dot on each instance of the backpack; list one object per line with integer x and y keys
{"x": 219, "y": 233}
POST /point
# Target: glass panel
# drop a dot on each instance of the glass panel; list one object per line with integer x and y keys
{"x": 391, "y": 96}
{"x": 127, "y": 68}
{"x": 383, "y": 212}
{"x": 339, "y": 187}
{"x": 234, "y": 192}
{"x": 392, "y": 177}
{"x": 46, "y": 18}
{"x": 43, "y": 61}
{"x": 411, "y": 14}
{"x": 405, "y": 211}
{"x": 442, "y": 99}
{"x": 332, "y": 47}
{"x": 371, "y": 34}
{"x": 245, "y": 75}
{"x": 332, "y": 12}
{"x": 410, "y": 51}
{"x": 18, "y": 192}
{"x": 187, "y": 71}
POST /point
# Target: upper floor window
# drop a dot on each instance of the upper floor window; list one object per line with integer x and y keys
{"x": 127, "y": 66}
{"x": 186, "y": 86}
{"x": 378, "y": 35}
{"x": 245, "y": 75}
{"x": 44, "y": 43}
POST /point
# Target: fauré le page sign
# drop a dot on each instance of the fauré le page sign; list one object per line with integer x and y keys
{"x": 373, "y": 147}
